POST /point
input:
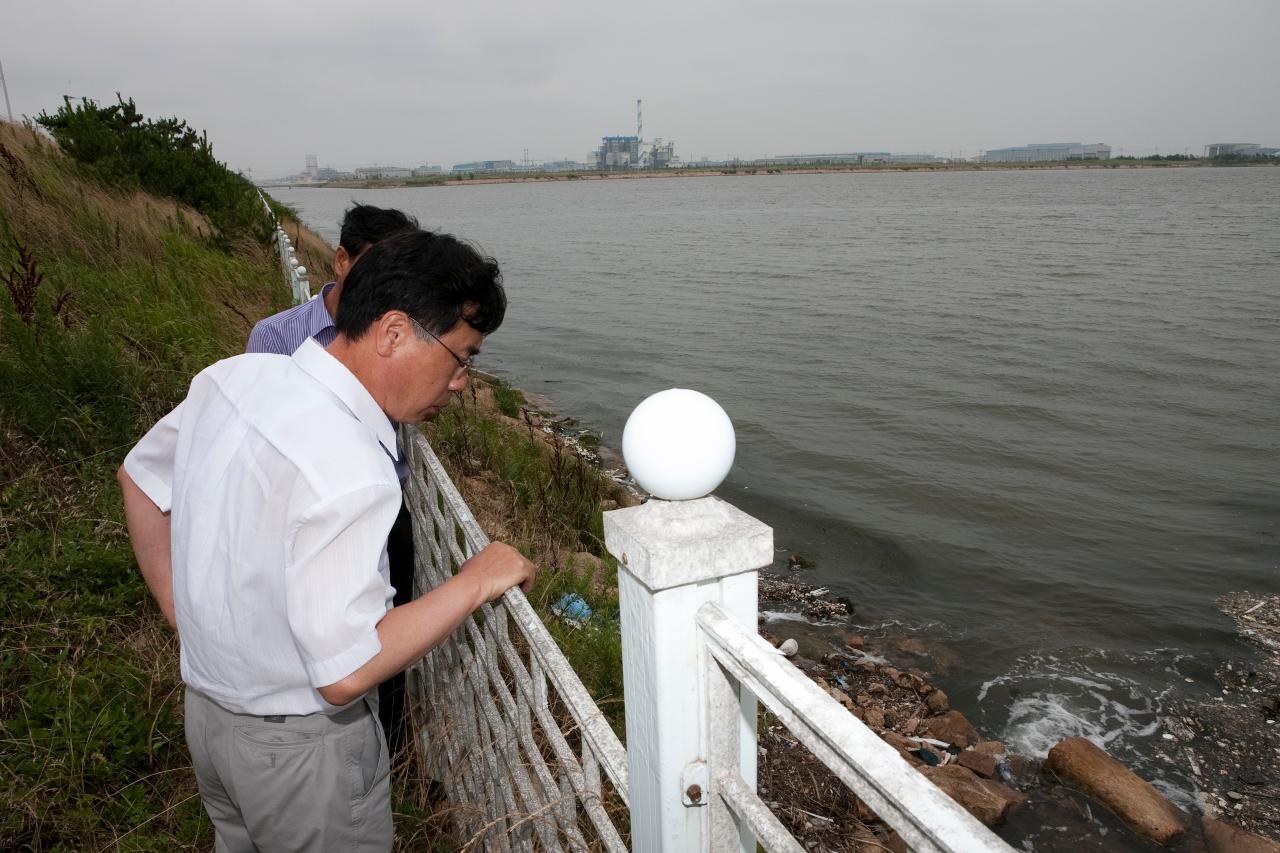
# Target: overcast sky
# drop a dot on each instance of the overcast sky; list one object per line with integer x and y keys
{"x": 440, "y": 82}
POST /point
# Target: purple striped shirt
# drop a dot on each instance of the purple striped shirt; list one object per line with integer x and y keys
{"x": 283, "y": 333}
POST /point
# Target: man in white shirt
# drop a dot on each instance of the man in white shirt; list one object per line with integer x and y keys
{"x": 259, "y": 510}
{"x": 363, "y": 225}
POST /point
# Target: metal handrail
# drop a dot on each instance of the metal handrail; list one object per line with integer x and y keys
{"x": 925, "y": 817}
{"x": 295, "y": 275}
{"x": 484, "y": 713}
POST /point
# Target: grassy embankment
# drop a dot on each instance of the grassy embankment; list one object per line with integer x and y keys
{"x": 113, "y": 299}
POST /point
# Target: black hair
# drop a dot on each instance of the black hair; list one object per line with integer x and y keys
{"x": 434, "y": 278}
{"x": 363, "y": 225}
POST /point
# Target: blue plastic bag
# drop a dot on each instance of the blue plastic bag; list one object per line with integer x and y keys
{"x": 573, "y": 609}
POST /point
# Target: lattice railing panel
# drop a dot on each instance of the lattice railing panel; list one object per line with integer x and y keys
{"x": 489, "y": 702}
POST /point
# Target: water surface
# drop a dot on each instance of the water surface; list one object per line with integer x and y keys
{"x": 1032, "y": 415}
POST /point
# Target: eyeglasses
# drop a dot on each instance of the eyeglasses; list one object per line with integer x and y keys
{"x": 464, "y": 364}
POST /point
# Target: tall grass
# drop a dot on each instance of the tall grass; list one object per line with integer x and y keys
{"x": 163, "y": 156}
{"x": 559, "y": 496}
{"x": 110, "y": 301}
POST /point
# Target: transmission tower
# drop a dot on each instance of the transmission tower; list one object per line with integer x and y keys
{"x": 3, "y": 85}
{"x": 639, "y": 122}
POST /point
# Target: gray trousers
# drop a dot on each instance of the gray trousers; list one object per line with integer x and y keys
{"x": 298, "y": 783}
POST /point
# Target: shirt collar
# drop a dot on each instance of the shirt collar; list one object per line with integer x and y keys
{"x": 317, "y": 314}
{"x": 317, "y": 363}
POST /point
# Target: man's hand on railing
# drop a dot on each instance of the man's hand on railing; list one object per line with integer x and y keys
{"x": 498, "y": 567}
{"x": 411, "y": 630}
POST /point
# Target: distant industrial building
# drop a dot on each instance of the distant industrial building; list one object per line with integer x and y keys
{"x": 425, "y": 171}
{"x": 893, "y": 159}
{"x": 618, "y": 152}
{"x": 628, "y": 152}
{"x": 661, "y": 155}
{"x": 312, "y": 174}
{"x": 855, "y": 158}
{"x": 1239, "y": 149}
{"x": 563, "y": 166}
{"x": 377, "y": 173}
{"x": 1048, "y": 152}
{"x": 486, "y": 166}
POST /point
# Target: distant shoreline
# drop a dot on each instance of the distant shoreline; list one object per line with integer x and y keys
{"x": 738, "y": 171}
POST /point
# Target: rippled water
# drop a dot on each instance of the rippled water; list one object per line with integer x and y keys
{"x": 1031, "y": 414}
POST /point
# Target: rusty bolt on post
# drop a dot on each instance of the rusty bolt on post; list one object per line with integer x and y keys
{"x": 694, "y": 793}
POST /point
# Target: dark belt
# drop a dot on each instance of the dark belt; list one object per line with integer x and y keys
{"x": 366, "y": 701}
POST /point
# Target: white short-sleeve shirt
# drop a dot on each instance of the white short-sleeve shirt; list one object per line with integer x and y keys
{"x": 279, "y": 475}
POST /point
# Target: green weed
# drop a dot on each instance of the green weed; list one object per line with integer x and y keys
{"x": 553, "y": 503}
{"x": 507, "y": 399}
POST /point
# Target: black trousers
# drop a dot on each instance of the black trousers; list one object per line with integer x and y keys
{"x": 392, "y": 708}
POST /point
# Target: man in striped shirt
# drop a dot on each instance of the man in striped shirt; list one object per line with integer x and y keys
{"x": 362, "y": 226}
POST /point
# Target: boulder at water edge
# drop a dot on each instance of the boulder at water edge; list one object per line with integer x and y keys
{"x": 1081, "y": 763}
{"x": 1222, "y": 837}
{"x": 953, "y": 727}
{"x": 979, "y": 762}
{"x": 988, "y": 801}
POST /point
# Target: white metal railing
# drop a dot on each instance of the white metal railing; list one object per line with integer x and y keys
{"x": 496, "y": 731}
{"x": 295, "y": 275}
{"x": 925, "y": 817}
{"x": 496, "y": 710}
{"x": 694, "y": 667}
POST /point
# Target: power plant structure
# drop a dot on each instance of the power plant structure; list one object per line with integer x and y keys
{"x": 627, "y": 152}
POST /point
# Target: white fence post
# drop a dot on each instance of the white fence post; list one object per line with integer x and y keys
{"x": 282, "y": 245}
{"x": 304, "y": 286}
{"x": 673, "y": 557}
{"x": 295, "y": 276}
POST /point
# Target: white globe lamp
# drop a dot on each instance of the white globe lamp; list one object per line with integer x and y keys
{"x": 678, "y": 444}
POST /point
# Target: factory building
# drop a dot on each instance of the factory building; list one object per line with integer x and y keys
{"x": 565, "y": 166}
{"x": 1048, "y": 152}
{"x": 618, "y": 152}
{"x": 661, "y": 155}
{"x": 855, "y": 158}
{"x": 486, "y": 166}
{"x": 1239, "y": 149}
{"x": 376, "y": 173}
{"x": 628, "y": 152}
{"x": 893, "y": 159}
{"x": 812, "y": 159}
